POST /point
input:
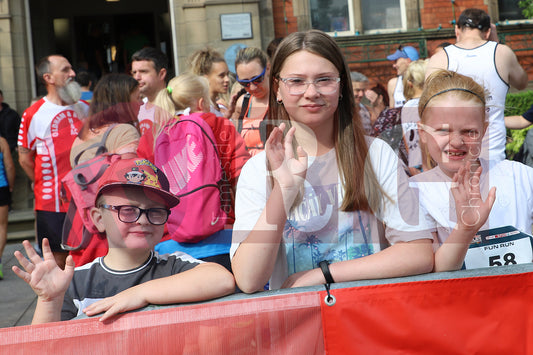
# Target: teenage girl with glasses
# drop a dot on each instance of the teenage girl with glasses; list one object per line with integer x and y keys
{"x": 321, "y": 192}
{"x": 253, "y": 71}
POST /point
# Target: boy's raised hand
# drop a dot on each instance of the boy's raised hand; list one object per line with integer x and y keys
{"x": 46, "y": 279}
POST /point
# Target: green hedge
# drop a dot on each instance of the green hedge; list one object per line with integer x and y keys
{"x": 515, "y": 105}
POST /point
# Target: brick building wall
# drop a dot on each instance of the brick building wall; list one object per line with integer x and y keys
{"x": 435, "y": 13}
{"x": 367, "y": 53}
{"x": 284, "y": 20}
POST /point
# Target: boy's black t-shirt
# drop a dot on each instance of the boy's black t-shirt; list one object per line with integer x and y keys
{"x": 95, "y": 281}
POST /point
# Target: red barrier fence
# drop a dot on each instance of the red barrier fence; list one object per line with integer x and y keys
{"x": 485, "y": 315}
{"x": 481, "y": 315}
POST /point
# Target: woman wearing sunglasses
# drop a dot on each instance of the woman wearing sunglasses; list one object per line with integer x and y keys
{"x": 252, "y": 69}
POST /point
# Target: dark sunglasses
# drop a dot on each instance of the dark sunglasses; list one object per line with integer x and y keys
{"x": 256, "y": 79}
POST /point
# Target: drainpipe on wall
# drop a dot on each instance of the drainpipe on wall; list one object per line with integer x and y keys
{"x": 419, "y": 15}
{"x": 30, "y": 49}
{"x": 174, "y": 36}
{"x": 454, "y": 22}
{"x": 285, "y": 19}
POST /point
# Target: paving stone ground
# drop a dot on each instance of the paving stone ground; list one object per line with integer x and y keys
{"x": 17, "y": 300}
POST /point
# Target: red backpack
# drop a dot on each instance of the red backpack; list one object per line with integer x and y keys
{"x": 186, "y": 152}
{"x": 79, "y": 187}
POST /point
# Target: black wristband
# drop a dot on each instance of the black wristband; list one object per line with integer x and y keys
{"x": 324, "y": 265}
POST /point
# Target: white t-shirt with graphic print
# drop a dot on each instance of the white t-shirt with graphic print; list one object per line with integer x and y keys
{"x": 316, "y": 229}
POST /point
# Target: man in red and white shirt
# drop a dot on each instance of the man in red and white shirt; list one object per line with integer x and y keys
{"x": 47, "y": 131}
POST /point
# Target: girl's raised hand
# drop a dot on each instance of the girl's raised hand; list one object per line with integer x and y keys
{"x": 288, "y": 170}
{"x": 472, "y": 211}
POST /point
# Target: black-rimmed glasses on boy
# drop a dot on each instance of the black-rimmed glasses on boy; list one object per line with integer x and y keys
{"x": 131, "y": 214}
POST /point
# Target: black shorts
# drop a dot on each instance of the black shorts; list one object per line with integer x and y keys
{"x": 50, "y": 225}
{"x": 5, "y": 196}
{"x": 222, "y": 259}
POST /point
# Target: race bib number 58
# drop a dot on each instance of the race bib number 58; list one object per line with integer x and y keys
{"x": 498, "y": 247}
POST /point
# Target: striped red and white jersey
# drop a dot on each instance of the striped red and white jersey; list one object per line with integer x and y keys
{"x": 49, "y": 130}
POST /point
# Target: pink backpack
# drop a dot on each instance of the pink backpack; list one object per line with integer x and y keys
{"x": 79, "y": 187}
{"x": 186, "y": 152}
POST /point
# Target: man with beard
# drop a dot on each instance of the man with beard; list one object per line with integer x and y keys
{"x": 149, "y": 66}
{"x": 47, "y": 130}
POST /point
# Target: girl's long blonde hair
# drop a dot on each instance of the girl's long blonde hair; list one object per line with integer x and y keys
{"x": 416, "y": 76}
{"x": 181, "y": 93}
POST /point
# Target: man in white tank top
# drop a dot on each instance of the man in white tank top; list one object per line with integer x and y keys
{"x": 494, "y": 66}
{"x": 401, "y": 58}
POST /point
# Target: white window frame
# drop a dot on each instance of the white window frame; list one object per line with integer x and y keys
{"x": 351, "y": 19}
{"x": 351, "y": 31}
{"x": 352, "y": 4}
{"x": 403, "y": 14}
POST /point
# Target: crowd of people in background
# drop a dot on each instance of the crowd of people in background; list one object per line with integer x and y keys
{"x": 292, "y": 171}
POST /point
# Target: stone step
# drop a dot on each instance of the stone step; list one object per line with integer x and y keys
{"x": 21, "y": 235}
{"x": 21, "y": 225}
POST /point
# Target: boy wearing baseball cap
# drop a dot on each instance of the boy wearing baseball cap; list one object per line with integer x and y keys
{"x": 132, "y": 206}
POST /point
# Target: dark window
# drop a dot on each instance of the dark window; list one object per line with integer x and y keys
{"x": 330, "y": 15}
{"x": 509, "y": 10}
